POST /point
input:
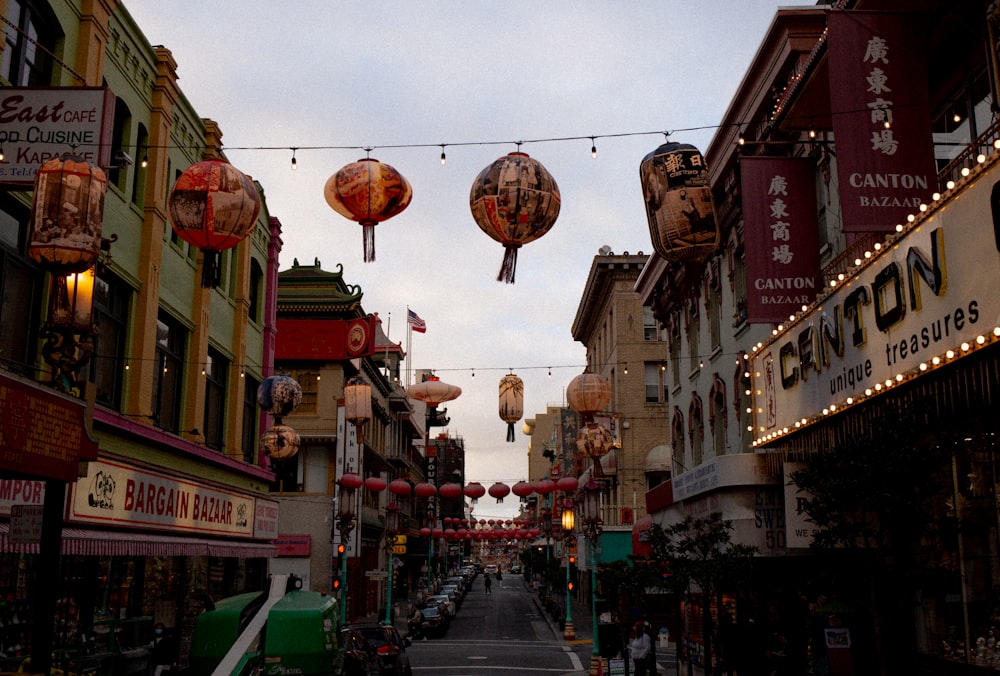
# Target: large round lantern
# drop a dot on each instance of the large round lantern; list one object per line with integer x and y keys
{"x": 280, "y": 442}
{"x": 522, "y": 489}
{"x": 67, "y": 214}
{"x": 400, "y": 487}
{"x": 375, "y": 484}
{"x": 450, "y": 490}
{"x": 279, "y": 395}
{"x": 594, "y": 441}
{"x": 588, "y": 394}
{"x": 213, "y": 206}
{"x": 682, "y": 224}
{"x": 511, "y": 402}
{"x": 514, "y": 200}
{"x": 474, "y": 490}
{"x": 545, "y": 486}
{"x": 425, "y": 489}
{"x": 368, "y": 192}
{"x": 499, "y": 490}
{"x": 351, "y": 481}
{"x": 433, "y": 391}
{"x": 568, "y": 484}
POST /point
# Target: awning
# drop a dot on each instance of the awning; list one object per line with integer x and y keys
{"x": 87, "y": 542}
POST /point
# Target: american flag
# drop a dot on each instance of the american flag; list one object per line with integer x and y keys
{"x": 415, "y": 322}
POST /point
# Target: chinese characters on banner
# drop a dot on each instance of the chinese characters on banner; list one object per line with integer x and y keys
{"x": 782, "y": 248}
{"x": 881, "y": 118}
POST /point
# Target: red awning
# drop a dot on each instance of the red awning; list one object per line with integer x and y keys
{"x": 87, "y": 542}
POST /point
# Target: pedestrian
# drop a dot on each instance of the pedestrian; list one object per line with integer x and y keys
{"x": 414, "y": 622}
{"x": 639, "y": 647}
{"x": 163, "y": 650}
{"x": 651, "y": 658}
{"x": 488, "y": 583}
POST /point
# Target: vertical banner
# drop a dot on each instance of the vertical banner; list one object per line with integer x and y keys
{"x": 348, "y": 460}
{"x": 881, "y": 118}
{"x": 781, "y": 235}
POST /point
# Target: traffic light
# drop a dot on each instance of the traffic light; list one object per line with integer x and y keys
{"x": 340, "y": 549}
{"x": 572, "y": 559}
{"x": 336, "y": 577}
{"x": 570, "y": 585}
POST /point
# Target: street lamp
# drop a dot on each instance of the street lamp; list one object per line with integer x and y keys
{"x": 391, "y": 530}
{"x": 592, "y": 526}
{"x": 547, "y": 528}
{"x": 349, "y": 484}
{"x": 568, "y": 524}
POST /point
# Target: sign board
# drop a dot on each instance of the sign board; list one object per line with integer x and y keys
{"x": 399, "y": 549}
{"x": 20, "y": 492}
{"x": 293, "y": 545}
{"x": 26, "y": 524}
{"x": 376, "y": 574}
{"x": 40, "y": 123}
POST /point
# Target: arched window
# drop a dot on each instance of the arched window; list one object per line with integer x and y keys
{"x": 696, "y": 429}
{"x": 677, "y": 439}
{"x": 717, "y": 416}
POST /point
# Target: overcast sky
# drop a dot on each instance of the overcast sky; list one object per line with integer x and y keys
{"x": 334, "y": 78}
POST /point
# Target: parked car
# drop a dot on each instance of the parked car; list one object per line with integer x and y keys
{"x": 389, "y": 647}
{"x": 443, "y": 601}
{"x": 433, "y": 622}
{"x": 359, "y": 658}
{"x": 491, "y": 569}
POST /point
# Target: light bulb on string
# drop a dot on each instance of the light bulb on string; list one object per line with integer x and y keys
{"x": 443, "y": 157}
{"x": 295, "y": 164}
{"x": 145, "y": 160}
{"x": 593, "y": 148}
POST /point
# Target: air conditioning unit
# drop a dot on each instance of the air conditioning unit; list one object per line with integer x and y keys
{"x": 628, "y": 515}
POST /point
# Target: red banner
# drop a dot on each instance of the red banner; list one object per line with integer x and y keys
{"x": 325, "y": 339}
{"x": 780, "y": 231}
{"x": 881, "y": 118}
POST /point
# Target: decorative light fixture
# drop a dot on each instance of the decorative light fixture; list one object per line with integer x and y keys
{"x": 511, "y": 402}
{"x": 369, "y": 192}
{"x": 358, "y": 403}
{"x": 391, "y": 532}
{"x": 348, "y": 486}
{"x": 515, "y": 201}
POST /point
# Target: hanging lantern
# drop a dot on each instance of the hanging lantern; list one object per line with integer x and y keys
{"x": 425, "y": 490}
{"x": 588, "y": 394}
{"x": 511, "y": 402}
{"x": 425, "y": 532}
{"x": 280, "y": 442}
{"x": 213, "y": 206}
{"x": 514, "y": 200}
{"x": 66, "y": 215}
{"x": 351, "y": 480}
{"x": 450, "y": 490}
{"x": 400, "y": 487}
{"x": 522, "y": 489}
{"x": 358, "y": 401}
{"x": 279, "y": 395}
{"x": 682, "y": 222}
{"x": 499, "y": 490}
{"x": 437, "y": 533}
{"x": 375, "y": 484}
{"x": 474, "y": 490}
{"x": 594, "y": 441}
{"x": 545, "y": 486}
{"x": 567, "y": 484}
{"x": 368, "y": 192}
{"x": 433, "y": 391}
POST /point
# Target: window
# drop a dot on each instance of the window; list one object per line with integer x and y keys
{"x": 111, "y": 308}
{"x": 306, "y": 471}
{"x": 118, "y": 174}
{"x": 656, "y": 390}
{"x": 650, "y": 330}
{"x": 696, "y": 430}
{"x": 31, "y": 33}
{"x": 251, "y": 419}
{"x": 216, "y": 372}
{"x": 20, "y": 291}
{"x": 256, "y": 290}
{"x": 168, "y": 377}
{"x": 309, "y": 382}
{"x": 138, "y": 171}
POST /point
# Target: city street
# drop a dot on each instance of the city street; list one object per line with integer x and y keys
{"x": 502, "y": 631}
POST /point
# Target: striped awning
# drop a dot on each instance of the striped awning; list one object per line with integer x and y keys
{"x": 89, "y": 542}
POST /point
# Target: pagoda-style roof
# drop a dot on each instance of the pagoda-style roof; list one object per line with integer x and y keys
{"x": 308, "y": 289}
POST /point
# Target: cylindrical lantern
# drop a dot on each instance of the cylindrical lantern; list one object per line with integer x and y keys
{"x": 279, "y": 395}
{"x": 368, "y": 192}
{"x": 514, "y": 200}
{"x": 67, "y": 214}
{"x": 213, "y": 206}
{"x": 511, "y": 402}
{"x": 280, "y": 442}
{"x": 679, "y": 210}
{"x": 358, "y": 400}
{"x": 72, "y": 301}
{"x": 588, "y": 394}
{"x": 568, "y": 519}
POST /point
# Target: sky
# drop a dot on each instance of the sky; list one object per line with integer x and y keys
{"x": 396, "y": 80}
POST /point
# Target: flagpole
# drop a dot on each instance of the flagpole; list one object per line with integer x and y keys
{"x": 409, "y": 340}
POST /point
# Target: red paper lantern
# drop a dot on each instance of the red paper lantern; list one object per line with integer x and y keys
{"x": 567, "y": 484}
{"x": 400, "y": 487}
{"x": 514, "y": 200}
{"x": 425, "y": 490}
{"x": 511, "y": 402}
{"x": 522, "y": 489}
{"x": 425, "y": 531}
{"x": 213, "y": 206}
{"x": 682, "y": 223}
{"x": 545, "y": 486}
{"x": 450, "y": 490}
{"x": 474, "y": 490}
{"x": 375, "y": 484}
{"x": 67, "y": 210}
{"x": 368, "y": 192}
{"x": 351, "y": 480}
{"x": 499, "y": 490}
{"x": 437, "y": 533}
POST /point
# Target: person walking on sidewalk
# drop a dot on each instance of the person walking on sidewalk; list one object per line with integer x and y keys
{"x": 639, "y": 647}
{"x": 487, "y": 583}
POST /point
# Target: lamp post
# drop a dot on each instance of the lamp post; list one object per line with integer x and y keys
{"x": 569, "y": 525}
{"x": 349, "y": 484}
{"x": 592, "y": 526}
{"x": 391, "y": 530}
{"x": 547, "y": 527}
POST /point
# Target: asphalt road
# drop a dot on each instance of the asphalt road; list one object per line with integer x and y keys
{"x": 500, "y": 632}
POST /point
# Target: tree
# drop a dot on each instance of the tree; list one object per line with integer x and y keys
{"x": 700, "y": 553}
{"x": 871, "y": 498}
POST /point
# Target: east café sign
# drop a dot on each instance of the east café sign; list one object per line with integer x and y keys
{"x": 931, "y": 290}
